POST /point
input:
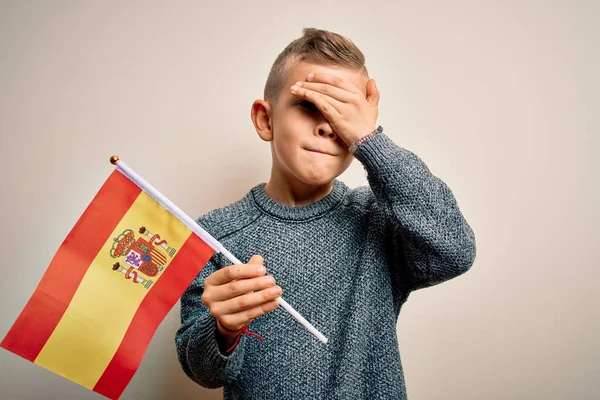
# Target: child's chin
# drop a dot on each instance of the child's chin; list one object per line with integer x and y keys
{"x": 320, "y": 180}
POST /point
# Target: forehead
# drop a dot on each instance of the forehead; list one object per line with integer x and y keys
{"x": 300, "y": 71}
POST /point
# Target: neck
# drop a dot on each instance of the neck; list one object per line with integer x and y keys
{"x": 292, "y": 192}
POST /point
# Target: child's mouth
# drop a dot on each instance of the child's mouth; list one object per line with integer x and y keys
{"x": 320, "y": 152}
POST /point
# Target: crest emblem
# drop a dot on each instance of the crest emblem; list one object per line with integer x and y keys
{"x": 143, "y": 257}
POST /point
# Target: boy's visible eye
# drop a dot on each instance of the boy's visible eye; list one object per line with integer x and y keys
{"x": 308, "y": 105}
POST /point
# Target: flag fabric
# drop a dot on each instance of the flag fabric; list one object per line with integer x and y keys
{"x": 123, "y": 266}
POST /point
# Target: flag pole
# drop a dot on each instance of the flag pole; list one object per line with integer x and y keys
{"x": 198, "y": 230}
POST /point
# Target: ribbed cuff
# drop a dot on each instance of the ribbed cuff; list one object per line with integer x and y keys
{"x": 380, "y": 154}
{"x": 205, "y": 348}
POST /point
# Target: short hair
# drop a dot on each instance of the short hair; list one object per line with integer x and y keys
{"x": 316, "y": 46}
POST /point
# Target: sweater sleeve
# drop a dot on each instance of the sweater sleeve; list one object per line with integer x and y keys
{"x": 430, "y": 239}
{"x": 198, "y": 349}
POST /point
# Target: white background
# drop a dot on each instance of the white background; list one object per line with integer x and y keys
{"x": 499, "y": 98}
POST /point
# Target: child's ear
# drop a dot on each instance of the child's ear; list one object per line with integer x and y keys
{"x": 261, "y": 118}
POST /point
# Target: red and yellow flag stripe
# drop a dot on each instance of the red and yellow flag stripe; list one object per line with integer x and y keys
{"x": 86, "y": 321}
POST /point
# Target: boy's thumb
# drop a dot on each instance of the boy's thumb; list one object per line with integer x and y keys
{"x": 256, "y": 259}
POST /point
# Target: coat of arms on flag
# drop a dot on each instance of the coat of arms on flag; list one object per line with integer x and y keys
{"x": 143, "y": 256}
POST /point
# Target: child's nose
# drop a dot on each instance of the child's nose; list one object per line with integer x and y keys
{"x": 329, "y": 134}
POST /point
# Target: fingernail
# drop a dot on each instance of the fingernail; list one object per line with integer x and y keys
{"x": 268, "y": 280}
{"x": 261, "y": 270}
{"x": 310, "y": 76}
{"x": 294, "y": 88}
{"x": 276, "y": 290}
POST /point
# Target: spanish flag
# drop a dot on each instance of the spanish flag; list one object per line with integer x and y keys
{"x": 115, "y": 277}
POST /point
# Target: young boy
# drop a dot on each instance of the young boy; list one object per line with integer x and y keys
{"x": 347, "y": 258}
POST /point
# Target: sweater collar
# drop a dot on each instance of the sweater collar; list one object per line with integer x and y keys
{"x": 282, "y": 211}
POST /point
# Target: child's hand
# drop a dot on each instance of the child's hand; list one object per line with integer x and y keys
{"x": 229, "y": 294}
{"x": 350, "y": 114}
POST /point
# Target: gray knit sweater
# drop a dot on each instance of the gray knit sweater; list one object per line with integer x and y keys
{"x": 346, "y": 263}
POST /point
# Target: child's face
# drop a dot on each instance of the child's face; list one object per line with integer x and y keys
{"x": 303, "y": 144}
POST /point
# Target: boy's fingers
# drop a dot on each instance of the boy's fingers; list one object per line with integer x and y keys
{"x": 332, "y": 91}
{"x": 328, "y": 106}
{"x": 239, "y": 287}
{"x": 256, "y": 259}
{"x": 238, "y": 320}
{"x": 233, "y": 272}
{"x": 247, "y": 301}
{"x": 335, "y": 81}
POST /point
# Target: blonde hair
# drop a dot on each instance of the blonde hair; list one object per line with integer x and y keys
{"x": 316, "y": 46}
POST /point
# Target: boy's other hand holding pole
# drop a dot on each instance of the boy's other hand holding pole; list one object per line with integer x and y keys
{"x": 239, "y": 293}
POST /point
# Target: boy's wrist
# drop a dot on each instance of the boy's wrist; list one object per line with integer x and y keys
{"x": 226, "y": 337}
{"x": 226, "y": 332}
{"x": 364, "y": 139}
